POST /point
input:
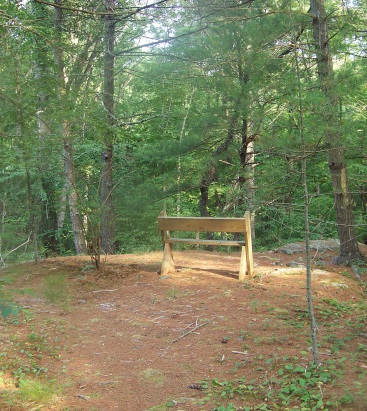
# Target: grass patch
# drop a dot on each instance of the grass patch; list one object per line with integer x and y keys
{"x": 55, "y": 290}
{"x": 27, "y": 350}
{"x": 30, "y": 394}
{"x": 37, "y": 391}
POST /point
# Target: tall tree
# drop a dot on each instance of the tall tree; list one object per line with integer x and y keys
{"x": 310, "y": 304}
{"x": 70, "y": 173}
{"x": 107, "y": 211}
{"x": 349, "y": 249}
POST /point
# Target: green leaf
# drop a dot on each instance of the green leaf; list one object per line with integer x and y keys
{"x": 6, "y": 311}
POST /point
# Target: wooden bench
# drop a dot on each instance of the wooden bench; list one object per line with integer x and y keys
{"x": 206, "y": 224}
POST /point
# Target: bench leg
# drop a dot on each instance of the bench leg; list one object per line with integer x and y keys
{"x": 250, "y": 261}
{"x": 243, "y": 264}
{"x": 248, "y": 250}
{"x": 168, "y": 265}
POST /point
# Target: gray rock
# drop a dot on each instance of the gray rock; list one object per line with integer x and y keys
{"x": 295, "y": 264}
{"x": 318, "y": 245}
{"x": 325, "y": 245}
{"x": 291, "y": 248}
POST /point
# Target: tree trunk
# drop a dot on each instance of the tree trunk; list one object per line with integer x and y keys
{"x": 187, "y": 104}
{"x": 62, "y": 209}
{"x": 33, "y": 223}
{"x": 48, "y": 217}
{"x": 349, "y": 250}
{"x": 2, "y": 224}
{"x": 205, "y": 183}
{"x": 210, "y": 173}
{"x": 75, "y": 215}
{"x": 309, "y": 290}
{"x": 244, "y": 184}
{"x": 70, "y": 178}
{"x": 107, "y": 211}
{"x": 32, "y": 202}
{"x": 247, "y": 160}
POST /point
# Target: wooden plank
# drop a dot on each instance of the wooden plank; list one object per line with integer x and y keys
{"x": 174, "y": 240}
{"x": 168, "y": 265}
{"x": 210, "y": 224}
{"x": 248, "y": 250}
{"x": 243, "y": 264}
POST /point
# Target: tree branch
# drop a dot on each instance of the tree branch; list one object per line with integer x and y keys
{"x": 99, "y": 14}
{"x": 290, "y": 48}
{"x": 165, "y": 40}
{"x": 144, "y": 120}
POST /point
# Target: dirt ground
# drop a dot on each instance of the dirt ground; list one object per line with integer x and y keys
{"x": 134, "y": 340}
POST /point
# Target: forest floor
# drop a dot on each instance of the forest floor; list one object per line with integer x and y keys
{"x": 126, "y": 338}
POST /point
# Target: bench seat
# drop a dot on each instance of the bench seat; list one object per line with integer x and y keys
{"x": 173, "y": 240}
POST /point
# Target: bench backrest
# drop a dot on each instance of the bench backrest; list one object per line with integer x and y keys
{"x": 210, "y": 224}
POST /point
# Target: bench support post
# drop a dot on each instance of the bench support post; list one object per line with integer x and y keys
{"x": 248, "y": 249}
{"x": 243, "y": 264}
{"x": 168, "y": 265}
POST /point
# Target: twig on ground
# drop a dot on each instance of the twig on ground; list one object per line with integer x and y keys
{"x": 83, "y": 397}
{"x": 197, "y": 326}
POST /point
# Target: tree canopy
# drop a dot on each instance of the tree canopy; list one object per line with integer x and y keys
{"x": 113, "y": 110}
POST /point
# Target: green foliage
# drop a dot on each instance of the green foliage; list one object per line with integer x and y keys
{"x": 292, "y": 387}
{"x": 54, "y": 288}
{"x": 291, "y": 383}
{"x": 182, "y": 108}
{"x": 37, "y": 391}
{"x": 7, "y": 306}
{"x": 22, "y": 356}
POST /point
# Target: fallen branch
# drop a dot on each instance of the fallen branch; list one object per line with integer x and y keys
{"x": 197, "y": 326}
{"x": 19, "y": 246}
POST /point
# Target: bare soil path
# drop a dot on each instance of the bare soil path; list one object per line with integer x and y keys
{"x": 133, "y": 340}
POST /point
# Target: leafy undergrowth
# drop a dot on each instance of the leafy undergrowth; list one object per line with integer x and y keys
{"x": 289, "y": 387}
{"x": 28, "y": 353}
{"x": 28, "y": 350}
{"x": 292, "y": 384}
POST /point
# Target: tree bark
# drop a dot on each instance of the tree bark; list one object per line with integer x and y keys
{"x": 309, "y": 290}
{"x": 205, "y": 183}
{"x": 210, "y": 173}
{"x": 73, "y": 197}
{"x": 49, "y": 215}
{"x": 187, "y": 104}
{"x": 247, "y": 160}
{"x": 32, "y": 202}
{"x": 349, "y": 250}
{"x": 107, "y": 211}
{"x": 70, "y": 178}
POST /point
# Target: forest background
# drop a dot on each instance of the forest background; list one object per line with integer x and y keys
{"x": 114, "y": 110}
